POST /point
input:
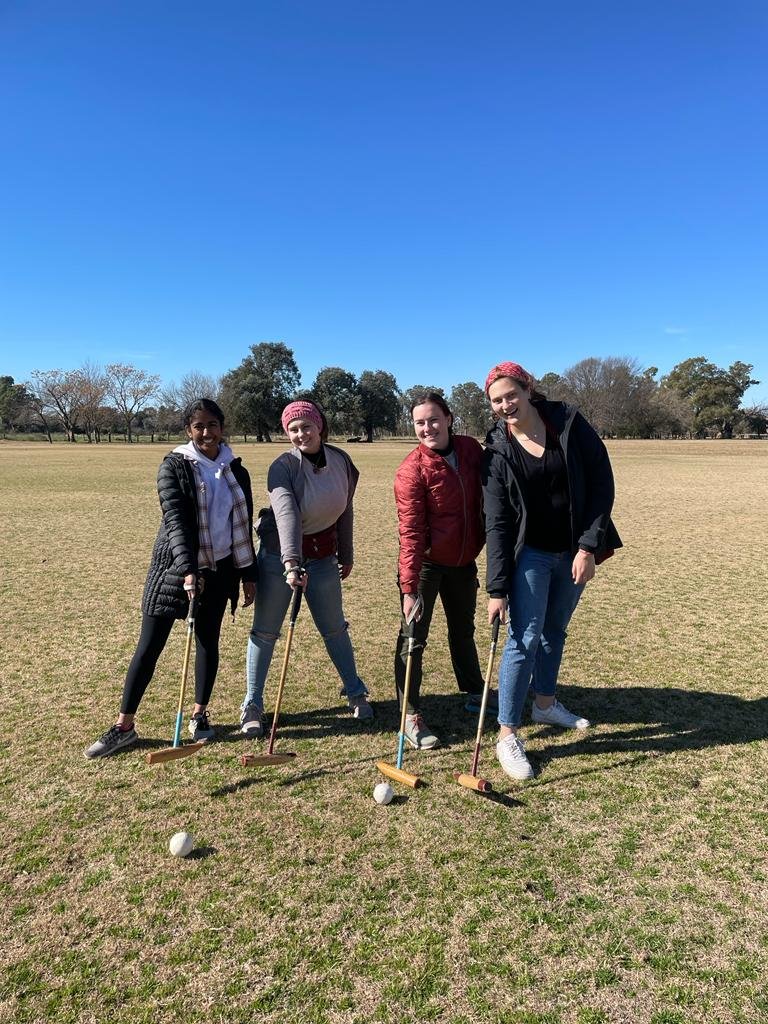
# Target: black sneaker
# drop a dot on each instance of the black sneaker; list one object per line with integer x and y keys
{"x": 114, "y": 739}
{"x": 200, "y": 727}
{"x": 475, "y": 700}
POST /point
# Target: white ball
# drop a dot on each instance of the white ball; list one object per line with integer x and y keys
{"x": 383, "y": 793}
{"x": 181, "y": 844}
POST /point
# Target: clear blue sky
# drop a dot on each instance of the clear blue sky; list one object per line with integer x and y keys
{"x": 423, "y": 187}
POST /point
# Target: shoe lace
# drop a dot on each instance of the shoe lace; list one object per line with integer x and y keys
{"x": 515, "y": 746}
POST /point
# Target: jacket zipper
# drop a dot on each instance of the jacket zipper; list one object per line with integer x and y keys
{"x": 563, "y": 438}
{"x": 464, "y": 506}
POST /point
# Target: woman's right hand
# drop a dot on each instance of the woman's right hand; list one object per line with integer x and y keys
{"x": 192, "y": 585}
{"x": 497, "y": 606}
{"x": 296, "y": 577}
{"x": 411, "y": 601}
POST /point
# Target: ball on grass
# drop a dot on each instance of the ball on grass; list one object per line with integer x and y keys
{"x": 383, "y": 793}
{"x": 181, "y": 844}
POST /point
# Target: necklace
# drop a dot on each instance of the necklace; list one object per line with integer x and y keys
{"x": 537, "y": 435}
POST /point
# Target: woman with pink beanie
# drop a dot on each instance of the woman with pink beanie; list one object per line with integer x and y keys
{"x": 309, "y": 525}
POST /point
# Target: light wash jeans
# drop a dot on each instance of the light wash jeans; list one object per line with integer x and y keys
{"x": 542, "y": 600}
{"x": 323, "y": 597}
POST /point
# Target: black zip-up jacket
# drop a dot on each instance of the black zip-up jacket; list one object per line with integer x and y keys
{"x": 174, "y": 555}
{"x": 590, "y": 485}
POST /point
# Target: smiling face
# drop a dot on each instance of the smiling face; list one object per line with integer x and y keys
{"x": 304, "y": 435}
{"x": 206, "y": 431}
{"x": 511, "y": 402}
{"x": 431, "y": 425}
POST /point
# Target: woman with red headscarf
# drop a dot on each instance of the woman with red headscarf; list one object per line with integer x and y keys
{"x": 306, "y": 541}
{"x": 548, "y": 493}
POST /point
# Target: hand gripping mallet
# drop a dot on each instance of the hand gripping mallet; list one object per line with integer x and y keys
{"x": 397, "y": 773}
{"x": 270, "y": 757}
{"x": 473, "y": 781}
{"x": 177, "y": 750}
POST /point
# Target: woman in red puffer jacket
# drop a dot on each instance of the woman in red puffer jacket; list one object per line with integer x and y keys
{"x": 439, "y": 506}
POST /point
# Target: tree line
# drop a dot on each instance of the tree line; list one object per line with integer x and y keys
{"x": 616, "y": 394}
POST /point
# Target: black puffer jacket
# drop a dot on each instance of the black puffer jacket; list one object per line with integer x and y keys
{"x": 590, "y": 486}
{"x": 174, "y": 555}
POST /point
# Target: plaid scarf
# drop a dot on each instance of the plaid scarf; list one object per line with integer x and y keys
{"x": 242, "y": 552}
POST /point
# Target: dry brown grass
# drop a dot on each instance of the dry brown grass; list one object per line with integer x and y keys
{"x": 625, "y": 884}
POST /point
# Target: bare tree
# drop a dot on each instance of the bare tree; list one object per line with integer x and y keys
{"x": 93, "y": 384}
{"x": 130, "y": 389}
{"x": 40, "y": 405}
{"x": 198, "y": 385}
{"x": 58, "y": 393}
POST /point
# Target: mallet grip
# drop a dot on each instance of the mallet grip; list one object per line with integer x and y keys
{"x": 399, "y": 775}
{"x": 473, "y": 782}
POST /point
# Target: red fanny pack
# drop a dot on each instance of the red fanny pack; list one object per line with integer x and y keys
{"x": 319, "y": 545}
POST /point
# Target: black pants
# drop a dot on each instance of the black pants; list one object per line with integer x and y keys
{"x": 155, "y": 630}
{"x": 457, "y": 587}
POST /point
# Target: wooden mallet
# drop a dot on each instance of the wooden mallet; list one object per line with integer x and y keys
{"x": 472, "y": 780}
{"x": 271, "y": 757}
{"x": 393, "y": 772}
{"x": 177, "y": 750}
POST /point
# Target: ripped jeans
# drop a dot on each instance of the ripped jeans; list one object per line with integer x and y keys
{"x": 323, "y": 597}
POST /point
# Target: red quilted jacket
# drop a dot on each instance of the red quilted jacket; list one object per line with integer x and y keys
{"x": 440, "y": 511}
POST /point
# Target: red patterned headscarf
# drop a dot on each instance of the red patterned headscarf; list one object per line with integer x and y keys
{"x": 513, "y": 370}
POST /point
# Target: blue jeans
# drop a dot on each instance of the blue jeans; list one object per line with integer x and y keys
{"x": 542, "y": 599}
{"x": 323, "y": 597}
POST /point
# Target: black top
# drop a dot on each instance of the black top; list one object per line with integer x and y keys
{"x": 590, "y": 484}
{"x": 544, "y": 483}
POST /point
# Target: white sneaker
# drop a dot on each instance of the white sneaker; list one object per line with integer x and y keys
{"x": 558, "y": 714}
{"x": 511, "y": 754}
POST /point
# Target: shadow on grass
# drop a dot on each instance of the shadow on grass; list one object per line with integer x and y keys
{"x": 202, "y": 853}
{"x": 445, "y": 714}
{"x": 661, "y": 721}
{"x": 274, "y": 776}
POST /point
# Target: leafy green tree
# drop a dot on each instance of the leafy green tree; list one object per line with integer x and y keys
{"x": 551, "y": 384}
{"x": 713, "y": 393}
{"x": 338, "y": 393}
{"x": 407, "y": 398}
{"x": 471, "y": 409}
{"x": 379, "y": 402}
{"x": 255, "y": 393}
{"x": 13, "y": 399}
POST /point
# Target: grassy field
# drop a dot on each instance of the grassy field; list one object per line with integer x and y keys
{"x": 626, "y": 883}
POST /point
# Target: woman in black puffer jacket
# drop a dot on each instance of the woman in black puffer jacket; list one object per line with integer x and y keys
{"x": 548, "y": 493}
{"x": 204, "y": 546}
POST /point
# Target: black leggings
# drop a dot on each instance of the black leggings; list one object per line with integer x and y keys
{"x": 155, "y": 630}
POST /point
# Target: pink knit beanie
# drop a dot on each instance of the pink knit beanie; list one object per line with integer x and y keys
{"x": 301, "y": 411}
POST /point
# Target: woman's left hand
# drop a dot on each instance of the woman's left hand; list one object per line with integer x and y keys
{"x": 344, "y": 571}
{"x": 583, "y": 568}
{"x": 249, "y": 592}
